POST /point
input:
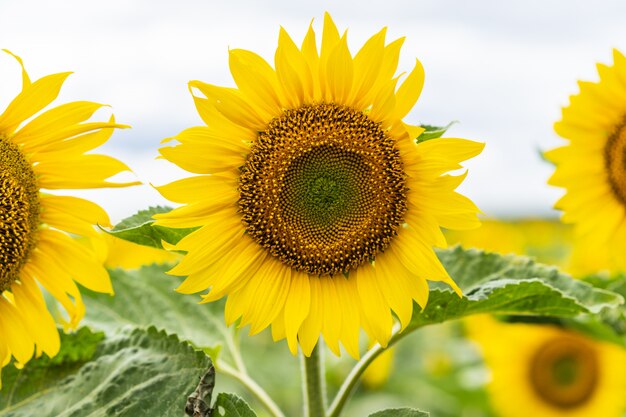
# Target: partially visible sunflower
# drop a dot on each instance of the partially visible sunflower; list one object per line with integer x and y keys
{"x": 317, "y": 209}
{"x": 546, "y": 371}
{"x": 46, "y": 151}
{"x": 592, "y": 166}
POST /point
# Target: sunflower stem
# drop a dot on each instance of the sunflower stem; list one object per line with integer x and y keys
{"x": 253, "y": 387}
{"x": 313, "y": 383}
{"x": 236, "y": 351}
{"x": 354, "y": 376}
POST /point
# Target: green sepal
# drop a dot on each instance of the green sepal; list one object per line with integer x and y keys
{"x": 433, "y": 132}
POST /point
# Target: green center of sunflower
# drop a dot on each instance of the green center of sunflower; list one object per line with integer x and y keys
{"x": 323, "y": 189}
{"x": 615, "y": 161}
{"x": 19, "y": 212}
{"x": 564, "y": 372}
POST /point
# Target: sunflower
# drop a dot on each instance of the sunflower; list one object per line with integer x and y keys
{"x": 547, "y": 371}
{"x": 592, "y": 166}
{"x": 45, "y": 151}
{"x": 317, "y": 210}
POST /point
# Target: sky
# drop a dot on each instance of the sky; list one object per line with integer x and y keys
{"x": 501, "y": 69}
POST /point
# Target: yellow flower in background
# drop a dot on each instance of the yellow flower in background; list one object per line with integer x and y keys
{"x": 546, "y": 371}
{"x": 547, "y": 241}
{"x": 318, "y": 211}
{"x": 492, "y": 236}
{"x": 46, "y": 151}
{"x": 377, "y": 373}
{"x": 592, "y": 166}
{"x": 119, "y": 253}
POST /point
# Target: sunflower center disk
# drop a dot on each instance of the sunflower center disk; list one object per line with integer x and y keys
{"x": 19, "y": 212}
{"x": 615, "y": 161}
{"x": 564, "y": 372}
{"x": 323, "y": 189}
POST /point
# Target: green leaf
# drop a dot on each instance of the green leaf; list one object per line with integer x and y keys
{"x": 76, "y": 347}
{"x": 400, "y": 412}
{"x": 140, "y": 229}
{"x": 509, "y": 285}
{"x": 433, "y": 132}
{"x": 608, "y": 323}
{"x": 132, "y": 374}
{"x": 230, "y": 405}
{"x": 146, "y": 297}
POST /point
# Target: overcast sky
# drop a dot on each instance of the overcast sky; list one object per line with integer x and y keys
{"x": 503, "y": 69}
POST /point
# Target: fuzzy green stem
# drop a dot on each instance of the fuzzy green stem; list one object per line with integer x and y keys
{"x": 353, "y": 377}
{"x": 253, "y": 387}
{"x": 313, "y": 384}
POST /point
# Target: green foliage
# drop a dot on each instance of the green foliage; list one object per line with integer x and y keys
{"x": 509, "y": 285}
{"x": 133, "y": 373}
{"x": 400, "y": 412}
{"x": 76, "y": 349}
{"x": 146, "y": 297}
{"x": 230, "y": 405}
{"x": 140, "y": 229}
{"x": 433, "y": 132}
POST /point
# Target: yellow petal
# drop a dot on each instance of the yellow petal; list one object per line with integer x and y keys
{"x": 230, "y": 103}
{"x": 25, "y": 77}
{"x": 78, "y": 208}
{"x": 31, "y": 100}
{"x": 297, "y": 307}
{"x": 309, "y": 51}
{"x": 82, "y": 265}
{"x": 29, "y": 301}
{"x": 332, "y": 313}
{"x": 374, "y": 306}
{"x": 256, "y": 80}
{"x": 78, "y": 144}
{"x": 330, "y": 39}
{"x": 311, "y": 327}
{"x": 19, "y": 342}
{"x": 196, "y": 188}
{"x": 35, "y": 132}
{"x": 348, "y": 296}
{"x": 84, "y": 171}
{"x": 293, "y": 71}
{"x": 409, "y": 91}
{"x": 367, "y": 63}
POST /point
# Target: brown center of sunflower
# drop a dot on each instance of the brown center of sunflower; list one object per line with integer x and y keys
{"x": 19, "y": 212}
{"x": 615, "y": 161}
{"x": 323, "y": 189}
{"x": 564, "y": 372}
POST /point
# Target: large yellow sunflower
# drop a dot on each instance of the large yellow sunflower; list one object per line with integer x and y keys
{"x": 46, "y": 151}
{"x": 318, "y": 211}
{"x": 546, "y": 371}
{"x": 592, "y": 166}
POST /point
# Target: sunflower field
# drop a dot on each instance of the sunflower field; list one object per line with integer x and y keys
{"x": 313, "y": 244}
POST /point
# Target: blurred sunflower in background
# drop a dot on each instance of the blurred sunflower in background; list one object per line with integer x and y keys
{"x": 46, "y": 151}
{"x": 548, "y": 241}
{"x": 592, "y": 166}
{"x": 547, "y": 371}
{"x": 317, "y": 209}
